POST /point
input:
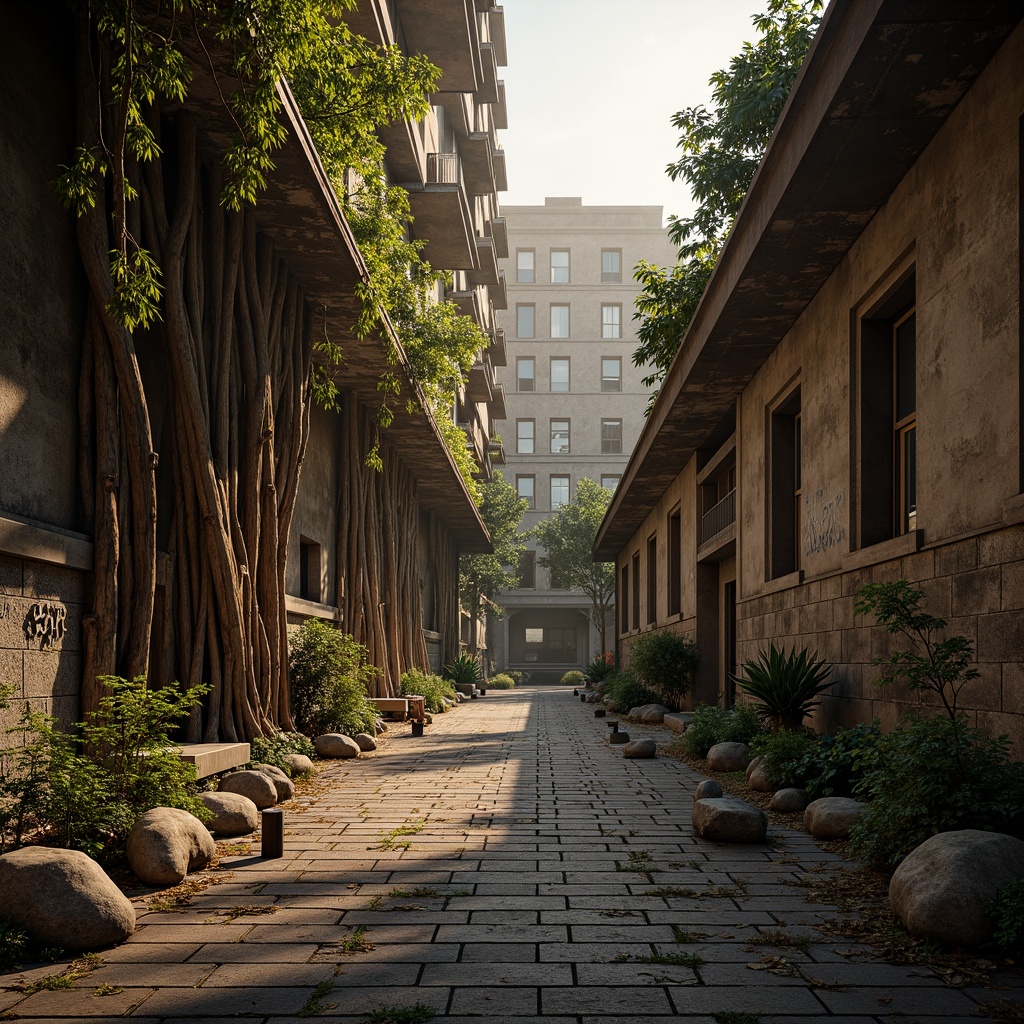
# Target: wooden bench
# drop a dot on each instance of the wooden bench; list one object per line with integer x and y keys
{"x": 397, "y": 707}
{"x": 211, "y": 758}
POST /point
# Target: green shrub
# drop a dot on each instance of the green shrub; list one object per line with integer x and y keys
{"x": 786, "y": 685}
{"x": 783, "y": 754}
{"x": 272, "y": 749}
{"x": 601, "y": 667}
{"x": 329, "y": 677}
{"x": 934, "y": 775}
{"x": 665, "y": 663}
{"x": 711, "y": 724}
{"x": 519, "y": 678}
{"x": 574, "y": 677}
{"x": 501, "y": 681}
{"x": 833, "y": 767}
{"x": 439, "y": 693}
{"x": 627, "y": 692}
{"x": 85, "y": 791}
{"x": 1007, "y": 910}
{"x": 464, "y": 670}
{"x": 14, "y": 944}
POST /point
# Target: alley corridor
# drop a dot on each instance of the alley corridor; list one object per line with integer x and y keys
{"x": 510, "y": 865}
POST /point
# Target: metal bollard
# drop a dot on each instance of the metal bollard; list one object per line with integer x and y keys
{"x": 273, "y": 833}
{"x": 583, "y": 698}
{"x": 417, "y": 728}
{"x": 599, "y": 713}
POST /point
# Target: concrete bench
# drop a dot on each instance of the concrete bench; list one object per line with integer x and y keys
{"x": 211, "y": 758}
{"x": 396, "y": 706}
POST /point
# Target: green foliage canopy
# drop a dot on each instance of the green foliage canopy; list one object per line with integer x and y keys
{"x": 721, "y": 147}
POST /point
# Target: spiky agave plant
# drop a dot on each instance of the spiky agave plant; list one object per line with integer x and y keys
{"x": 463, "y": 669}
{"x": 786, "y": 683}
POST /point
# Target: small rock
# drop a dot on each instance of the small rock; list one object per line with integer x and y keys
{"x": 166, "y": 843}
{"x": 729, "y": 820}
{"x": 233, "y": 814}
{"x": 754, "y": 762}
{"x": 640, "y": 748}
{"x": 298, "y": 764}
{"x": 758, "y": 780}
{"x": 788, "y": 801}
{"x": 63, "y": 898}
{"x": 709, "y": 789}
{"x": 830, "y": 817}
{"x": 259, "y": 788}
{"x": 729, "y": 757}
{"x": 335, "y": 744}
{"x": 365, "y": 741}
{"x": 654, "y": 713}
{"x": 284, "y": 785}
{"x": 940, "y": 890}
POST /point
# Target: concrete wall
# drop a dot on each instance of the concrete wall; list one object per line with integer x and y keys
{"x": 954, "y": 218}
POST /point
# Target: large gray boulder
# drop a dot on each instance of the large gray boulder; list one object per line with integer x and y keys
{"x": 758, "y": 779}
{"x": 335, "y": 744}
{"x": 259, "y": 788}
{"x": 831, "y": 817}
{"x": 298, "y": 764}
{"x": 365, "y": 741}
{"x": 640, "y": 748}
{"x": 729, "y": 757}
{"x": 284, "y": 785}
{"x": 166, "y": 843}
{"x": 709, "y": 789}
{"x": 788, "y": 801}
{"x": 233, "y": 814}
{"x": 726, "y": 819}
{"x": 649, "y": 714}
{"x": 63, "y": 898}
{"x": 940, "y": 890}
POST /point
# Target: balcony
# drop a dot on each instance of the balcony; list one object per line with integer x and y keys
{"x": 499, "y": 110}
{"x": 496, "y": 30}
{"x": 500, "y": 174}
{"x": 497, "y": 406}
{"x": 496, "y": 450}
{"x": 479, "y": 385}
{"x": 718, "y": 517}
{"x": 477, "y": 149}
{"x": 499, "y": 292}
{"x": 496, "y": 351}
{"x": 488, "y": 91}
{"x": 441, "y": 215}
{"x": 488, "y": 261}
{"x": 499, "y": 232}
{"x": 441, "y": 30}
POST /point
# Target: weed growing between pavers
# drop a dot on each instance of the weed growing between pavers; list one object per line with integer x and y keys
{"x": 783, "y": 940}
{"x": 390, "y": 840}
{"x": 247, "y": 910}
{"x": 177, "y": 898}
{"x": 691, "y": 960}
{"x": 731, "y": 1017}
{"x": 1002, "y": 1011}
{"x": 357, "y": 942}
{"x": 415, "y": 1014}
{"x": 108, "y": 990}
{"x": 682, "y": 936}
{"x": 737, "y": 891}
{"x": 314, "y": 1005}
{"x": 79, "y": 968}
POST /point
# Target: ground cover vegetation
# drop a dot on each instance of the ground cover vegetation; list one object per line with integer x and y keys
{"x": 664, "y": 663}
{"x": 501, "y": 681}
{"x": 171, "y": 253}
{"x": 720, "y": 147}
{"x": 438, "y": 693}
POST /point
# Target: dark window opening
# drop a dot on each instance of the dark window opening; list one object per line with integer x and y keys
{"x": 675, "y": 567}
{"x": 310, "y": 571}
{"x": 652, "y": 579}
{"x": 636, "y": 591}
{"x": 786, "y": 486}
{"x": 624, "y": 600}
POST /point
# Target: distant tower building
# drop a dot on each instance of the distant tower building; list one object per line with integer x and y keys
{"x": 574, "y": 399}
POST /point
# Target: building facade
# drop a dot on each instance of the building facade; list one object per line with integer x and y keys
{"x": 575, "y": 400}
{"x": 845, "y": 407}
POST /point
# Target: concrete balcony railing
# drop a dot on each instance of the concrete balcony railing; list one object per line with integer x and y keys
{"x": 442, "y": 215}
{"x": 442, "y": 168}
{"x": 496, "y": 351}
{"x": 718, "y": 517}
{"x": 498, "y": 409}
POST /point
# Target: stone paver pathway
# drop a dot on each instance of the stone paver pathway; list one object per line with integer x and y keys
{"x": 496, "y": 867}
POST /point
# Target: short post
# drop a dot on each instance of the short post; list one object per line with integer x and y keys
{"x": 575, "y": 693}
{"x": 614, "y": 726}
{"x": 599, "y": 713}
{"x": 417, "y": 728}
{"x": 273, "y": 833}
{"x": 583, "y": 698}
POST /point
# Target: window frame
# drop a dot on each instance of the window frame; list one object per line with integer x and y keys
{"x": 611, "y": 329}
{"x": 652, "y": 579}
{"x": 567, "y": 268}
{"x": 520, "y": 279}
{"x": 522, "y": 307}
{"x": 551, "y": 321}
{"x": 617, "y": 380}
{"x": 520, "y": 423}
{"x": 568, "y": 436}
{"x": 551, "y": 375}
{"x": 531, "y": 498}
{"x": 617, "y": 477}
{"x": 532, "y": 378}
{"x": 611, "y": 276}
{"x": 551, "y": 490}
{"x": 608, "y": 444}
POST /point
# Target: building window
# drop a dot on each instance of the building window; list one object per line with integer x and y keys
{"x": 611, "y": 321}
{"x": 525, "y": 266}
{"x": 559, "y": 437}
{"x": 611, "y": 437}
{"x": 524, "y": 321}
{"x": 611, "y": 266}
{"x": 524, "y": 437}
{"x": 310, "y": 570}
{"x": 609, "y": 481}
{"x": 526, "y": 489}
{"x": 611, "y": 373}
{"x": 785, "y": 514}
{"x": 675, "y": 565}
{"x": 559, "y": 322}
{"x": 559, "y": 491}
{"x": 652, "y": 579}
{"x": 560, "y": 374}
{"x": 559, "y": 266}
{"x": 886, "y": 388}
{"x": 636, "y": 591}
{"x": 526, "y": 373}
{"x": 623, "y": 598}
{"x": 528, "y": 571}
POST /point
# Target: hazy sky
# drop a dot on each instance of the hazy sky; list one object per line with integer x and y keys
{"x": 591, "y": 86}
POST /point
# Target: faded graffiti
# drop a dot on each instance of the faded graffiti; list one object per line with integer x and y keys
{"x": 5, "y": 609}
{"x": 46, "y": 623}
{"x": 822, "y": 526}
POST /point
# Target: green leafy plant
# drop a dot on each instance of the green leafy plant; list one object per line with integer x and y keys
{"x": 574, "y": 677}
{"x": 14, "y": 944}
{"x": 519, "y": 678}
{"x": 626, "y": 691}
{"x": 783, "y": 755}
{"x": 329, "y": 677}
{"x": 601, "y": 667}
{"x": 464, "y": 670}
{"x": 934, "y": 775}
{"x": 665, "y": 663}
{"x": 273, "y": 749}
{"x": 786, "y": 684}
{"x": 711, "y": 724}
{"x": 501, "y": 681}
{"x": 417, "y": 1013}
{"x": 438, "y": 693}
{"x": 1006, "y": 908}
{"x": 833, "y": 766}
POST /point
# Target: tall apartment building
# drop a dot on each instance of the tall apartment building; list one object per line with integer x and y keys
{"x": 574, "y": 398}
